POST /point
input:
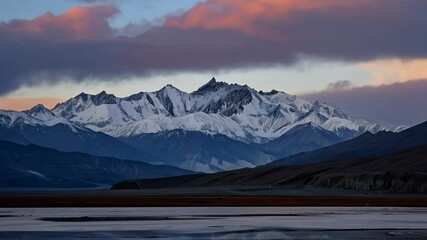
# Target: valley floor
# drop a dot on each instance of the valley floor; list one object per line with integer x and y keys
{"x": 307, "y": 196}
{"x": 214, "y": 223}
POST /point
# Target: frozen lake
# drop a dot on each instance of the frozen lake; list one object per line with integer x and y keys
{"x": 214, "y": 223}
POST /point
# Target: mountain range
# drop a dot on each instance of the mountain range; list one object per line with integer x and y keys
{"x": 389, "y": 162}
{"x": 218, "y": 127}
{"x": 366, "y": 145}
{"x": 31, "y": 166}
{"x": 239, "y": 112}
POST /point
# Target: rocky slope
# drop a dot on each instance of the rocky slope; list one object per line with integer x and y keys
{"x": 366, "y": 145}
{"x": 400, "y": 172}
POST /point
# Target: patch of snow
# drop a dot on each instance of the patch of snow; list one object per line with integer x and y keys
{"x": 36, "y": 173}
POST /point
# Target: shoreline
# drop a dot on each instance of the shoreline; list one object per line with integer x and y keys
{"x": 206, "y": 201}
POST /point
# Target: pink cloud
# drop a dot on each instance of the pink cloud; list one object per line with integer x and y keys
{"x": 75, "y": 24}
{"x": 259, "y": 17}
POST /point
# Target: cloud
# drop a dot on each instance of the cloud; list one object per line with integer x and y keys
{"x": 135, "y": 29}
{"x": 394, "y": 70}
{"x": 398, "y": 103}
{"x": 77, "y": 23}
{"x": 343, "y": 84}
{"x": 215, "y": 34}
{"x": 353, "y": 30}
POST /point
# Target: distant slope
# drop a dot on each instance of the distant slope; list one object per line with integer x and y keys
{"x": 33, "y": 166}
{"x": 210, "y": 152}
{"x": 301, "y": 138}
{"x": 63, "y": 138}
{"x": 11, "y": 136}
{"x": 404, "y": 171}
{"x": 199, "y": 151}
{"x": 366, "y": 145}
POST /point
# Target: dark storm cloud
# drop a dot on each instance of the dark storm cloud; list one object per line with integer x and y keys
{"x": 216, "y": 34}
{"x": 399, "y": 103}
{"x": 119, "y": 57}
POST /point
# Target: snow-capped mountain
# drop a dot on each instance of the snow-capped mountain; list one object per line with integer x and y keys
{"x": 236, "y": 111}
{"x": 41, "y": 113}
{"x": 36, "y": 116}
{"x": 41, "y": 127}
{"x": 218, "y": 127}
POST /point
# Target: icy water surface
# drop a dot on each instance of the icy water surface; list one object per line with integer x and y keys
{"x": 214, "y": 223}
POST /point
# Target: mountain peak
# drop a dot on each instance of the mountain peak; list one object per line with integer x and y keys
{"x": 316, "y": 103}
{"x": 135, "y": 97}
{"x": 38, "y": 107}
{"x": 169, "y": 86}
{"x": 168, "y": 90}
{"x": 83, "y": 96}
{"x": 104, "y": 98}
{"x": 210, "y": 86}
{"x": 272, "y": 92}
{"x": 40, "y": 112}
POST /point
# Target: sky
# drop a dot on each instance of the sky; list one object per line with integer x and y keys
{"x": 367, "y": 57}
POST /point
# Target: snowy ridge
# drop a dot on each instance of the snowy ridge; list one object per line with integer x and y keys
{"x": 239, "y": 112}
{"x": 37, "y": 116}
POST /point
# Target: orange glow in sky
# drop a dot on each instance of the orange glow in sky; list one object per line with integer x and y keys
{"x": 27, "y": 103}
